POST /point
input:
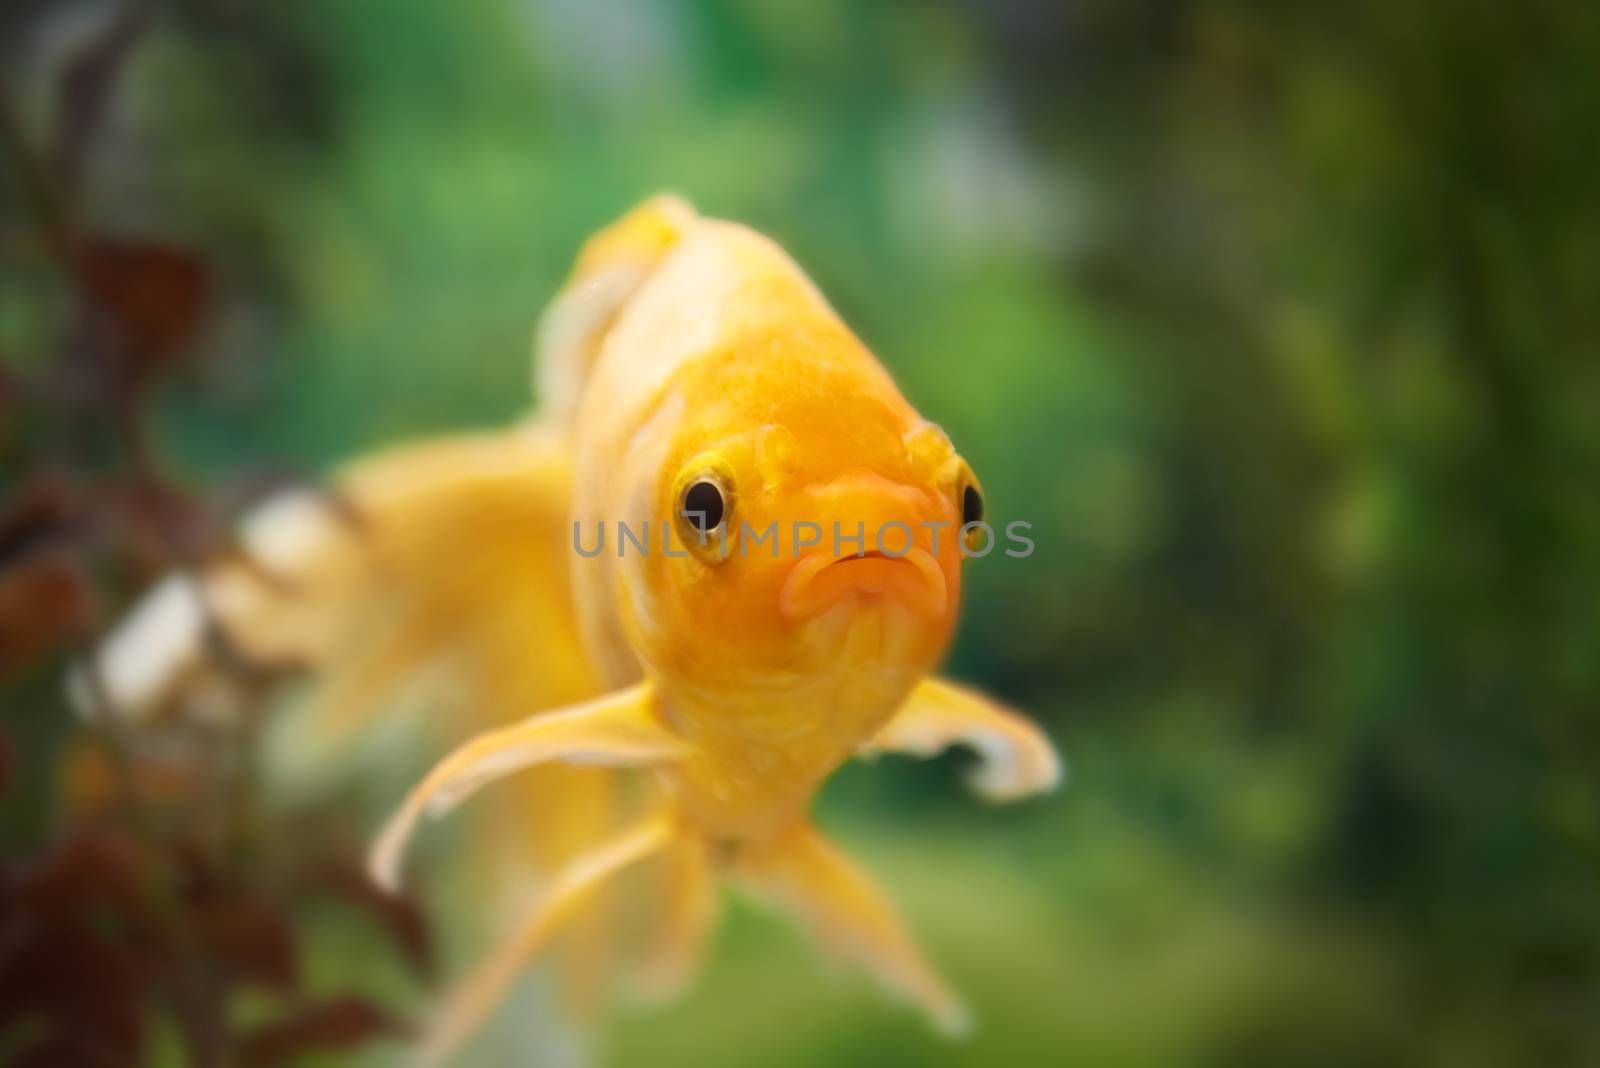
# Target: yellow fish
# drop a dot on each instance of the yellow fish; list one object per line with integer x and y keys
{"x": 725, "y": 552}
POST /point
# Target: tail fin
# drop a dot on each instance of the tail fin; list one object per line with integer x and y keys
{"x": 435, "y": 568}
{"x": 444, "y": 559}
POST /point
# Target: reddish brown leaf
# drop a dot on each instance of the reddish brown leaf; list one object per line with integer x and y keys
{"x": 92, "y": 869}
{"x": 77, "y": 955}
{"x": 45, "y": 597}
{"x": 155, "y": 295}
{"x": 71, "y": 978}
{"x": 44, "y": 514}
{"x": 250, "y": 938}
{"x": 44, "y": 602}
{"x": 341, "y": 1022}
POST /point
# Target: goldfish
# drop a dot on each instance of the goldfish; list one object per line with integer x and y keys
{"x": 723, "y": 656}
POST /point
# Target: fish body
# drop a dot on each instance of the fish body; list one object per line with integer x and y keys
{"x": 792, "y": 583}
{"x": 727, "y": 361}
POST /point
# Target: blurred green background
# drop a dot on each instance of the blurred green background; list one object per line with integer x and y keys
{"x": 1280, "y": 322}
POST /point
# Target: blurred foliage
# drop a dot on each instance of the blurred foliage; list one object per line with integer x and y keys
{"x": 1278, "y": 322}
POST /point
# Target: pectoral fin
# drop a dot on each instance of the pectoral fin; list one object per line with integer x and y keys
{"x": 685, "y": 912}
{"x": 618, "y": 730}
{"x": 476, "y": 996}
{"x": 851, "y": 916}
{"x": 1018, "y": 759}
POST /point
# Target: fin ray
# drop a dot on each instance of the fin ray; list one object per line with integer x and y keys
{"x": 618, "y": 730}
{"x": 476, "y": 996}
{"x": 852, "y": 917}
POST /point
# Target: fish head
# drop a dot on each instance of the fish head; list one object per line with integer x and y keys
{"x": 814, "y": 525}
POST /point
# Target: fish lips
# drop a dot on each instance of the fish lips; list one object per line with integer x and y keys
{"x": 818, "y": 582}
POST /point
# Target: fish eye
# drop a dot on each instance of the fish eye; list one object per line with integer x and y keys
{"x": 703, "y": 507}
{"x": 969, "y": 500}
{"x": 704, "y": 500}
{"x": 971, "y": 505}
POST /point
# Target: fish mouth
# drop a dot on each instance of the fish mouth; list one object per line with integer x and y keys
{"x": 817, "y": 583}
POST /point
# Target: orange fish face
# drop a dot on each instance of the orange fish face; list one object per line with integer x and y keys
{"x": 815, "y": 517}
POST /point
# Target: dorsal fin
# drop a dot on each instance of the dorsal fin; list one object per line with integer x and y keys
{"x": 611, "y": 267}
